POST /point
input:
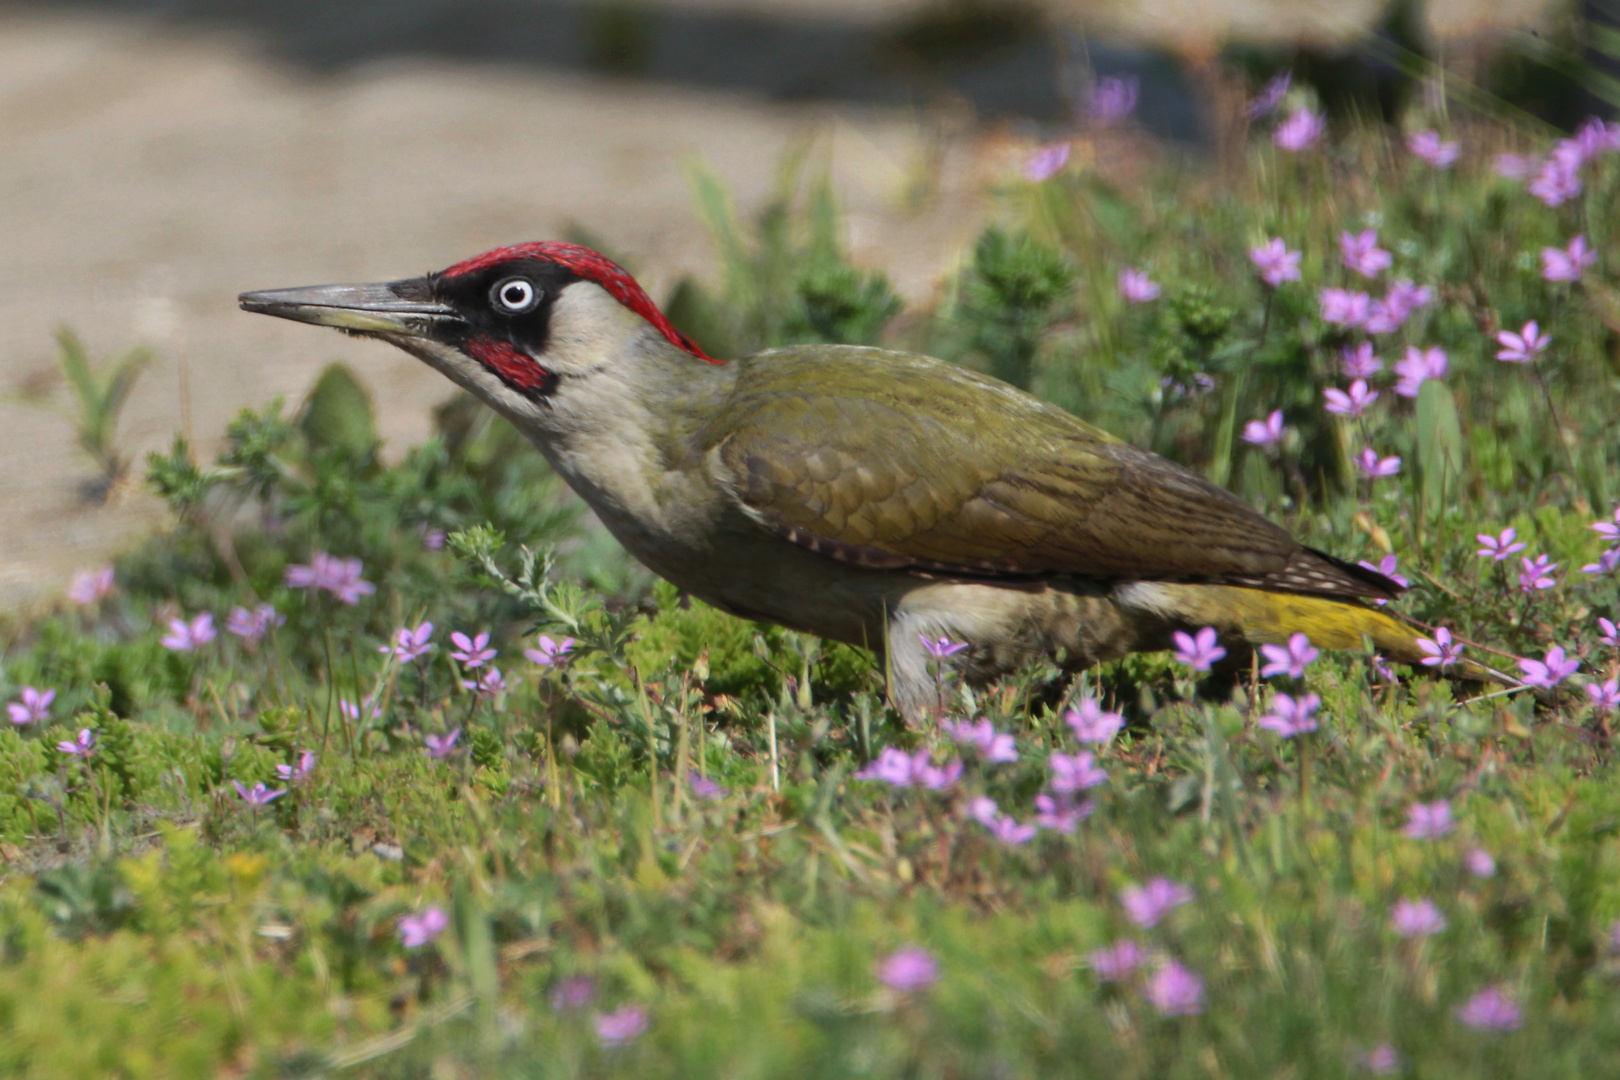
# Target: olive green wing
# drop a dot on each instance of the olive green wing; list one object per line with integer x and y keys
{"x": 903, "y": 462}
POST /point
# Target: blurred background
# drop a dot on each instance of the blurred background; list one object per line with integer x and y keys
{"x": 157, "y": 158}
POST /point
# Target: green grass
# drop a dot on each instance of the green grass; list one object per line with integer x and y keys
{"x": 152, "y": 923}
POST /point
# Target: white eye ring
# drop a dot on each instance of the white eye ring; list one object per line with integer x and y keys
{"x": 515, "y": 295}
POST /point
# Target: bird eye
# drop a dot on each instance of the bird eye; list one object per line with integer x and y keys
{"x": 515, "y": 295}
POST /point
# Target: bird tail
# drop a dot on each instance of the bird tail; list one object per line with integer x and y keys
{"x": 1262, "y": 617}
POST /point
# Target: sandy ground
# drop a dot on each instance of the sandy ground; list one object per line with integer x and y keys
{"x": 148, "y": 177}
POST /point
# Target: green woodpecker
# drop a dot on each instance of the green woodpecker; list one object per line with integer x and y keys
{"x": 879, "y": 498}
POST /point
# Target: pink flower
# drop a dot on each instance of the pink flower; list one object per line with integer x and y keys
{"x": 1499, "y": 547}
{"x": 992, "y": 745}
{"x": 1558, "y": 180}
{"x": 1059, "y": 814}
{"x": 1427, "y": 145}
{"x": 1270, "y": 96}
{"x": 410, "y": 644}
{"x": 1480, "y": 863}
{"x": 83, "y": 746}
{"x": 1091, "y": 724}
{"x": 1418, "y": 365}
{"x": 1386, "y": 566}
{"x": 1264, "y": 432}
{"x": 1567, "y": 264}
{"x": 1116, "y": 962}
{"x": 1175, "y": 990}
{"x": 1512, "y": 166}
{"x": 1605, "y": 696}
{"x": 621, "y": 1026}
{"x": 1350, "y": 404}
{"x": 1491, "y": 1010}
{"x": 1137, "y": 287}
{"x": 1200, "y": 652}
{"x": 1345, "y": 308}
{"x": 1289, "y": 717}
{"x": 1608, "y": 531}
{"x": 1362, "y": 254}
{"x": 1416, "y": 918}
{"x": 1537, "y": 573}
{"x": 1147, "y": 904}
{"x": 489, "y": 683}
{"x": 1607, "y": 563}
{"x": 1441, "y": 652}
{"x": 892, "y": 766}
{"x": 187, "y": 636}
{"x": 1290, "y": 659}
{"x": 1381, "y": 1060}
{"x": 1428, "y": 821}
{"x": 1046, "y": 162}
{"x": 34, "y": 706}
{"x": 1078, "y": 772}
{"x": 292, "y": 774}
{"x": 983, "y": 809}
{"x": 1372, "y": 466}
{"x": 1594, "y": 137}
{"x": 258, "y": 795}
{"x": 253, "y": 625}
{"x": 472, "y": 652}
{"x": 1007, "y": 829}
{"x": 1112, "y": 98}
{"x": 91, "y": 586}
{"x": 573, "y": 992}
{"x": 353, "y": 712}
{"x": 908, "y": 969}
{"x": 1550, "y": 672}
{"x": 932, "y": 777}
{"x": 440, "y": 747}
{"x": 1359, "y": 362}
{"x": 1608, "y": 632}
{"x": 418, "y": 930}
{"x": 550, "y": 652}
{"x": 340, "y": 577}
{"x": 940, "y": 648}
{"x": 1300, "y": 131}
{"x": 1276, "y": 263}
{"x": 1522, "y": 347}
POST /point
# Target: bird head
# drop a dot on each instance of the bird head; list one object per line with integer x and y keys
{"x": 514, "y": 325}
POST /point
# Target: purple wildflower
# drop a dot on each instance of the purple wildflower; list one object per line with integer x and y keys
{"x": 1609, "y": 531}
{"x": 1117, "y": 962}
{"x": 1594, "y": 137}
{"x": 440, "y": 747}
{"x": 1522, "y": 347}
{"x": 1289, "y": 717}
{"x": 420, "y": 929}
{"x": 1362, "y": 254}
{"x": 432, "y": 539}
{"x": 1416, "y": 918}
{"x": 83, "y": 746}
{"x": 1059, "y": 813}
{"x": 1567, "y": 264}
{"x": 1270, "y": 96}
{"x": 704, "y": 788}
{"x": 1479, "y": 863}
{"x": 1007, "y": 829}
{"x": 1418, "y": 365}
{"x": 573, "y": 992}
{"x": 1137, "y": 287}
{"x": 892, "y": 766}
{"x": 352, "y": 711}
{"x": 253, "y": 625}
{"x": 1372, "y": 466}
{"x": 935, "y": 777}
{"x": 1359, "y": 362}
{"x": 908, "y": 969}
{"x": 1607, "y": 563}
{"x": 1608, "y": 632}
{"x": 1076, "y": 772}
{"x": 1345, "y": 308}
{"x": 1427, "y": 145}
{"x": 1276, "y": 263}
{"x": 625, "y": 1024}
{"x": 1147, "y": 904}
{"x": 1388, "y": 566}
{"x": 1091, "y": 724}
{"x": 1264, "y": 432}
{"x": 1198, "y": 652}
{"x": 1046, "y": 162}
{"x": 1351, "y": 404}
{"x": 1112, "y": 98}
{"x": 472, "y": 652}
{"x": 1550, "y": 672}
{"x": 1441, "y": 652}
{"x": 992, "y": 745}
{"x": 1500, "y": 547}
{"x": 550, "y": 653}
{"x": 1381, "y": 1060}
{"x": 1175, "y": 990}
{"x": 940, "y": 648}
{"x": 1537, "y": 573}
{"x": 91, "y": 586}
{"x": 1300, "y": 131}
{"x": 258, "y": 795}
{"x": 983, "y": 809}
{"x": 1290, "y": 659}
{"x": 489, "y": 683}
{"x": 1512, "y": 166}
{"x": 1605, "y": 696}
{"x": 1428, "y": 821}
{"x": 34, "y": 706}
{"x": 410, "y": 644}
{"x": 293, "y": 774}
{"x": 187, "y": 636}
{"x": 1492, "y": 1009}
{"x": 1557, "y": 180}
{"x": 340, "y": 577}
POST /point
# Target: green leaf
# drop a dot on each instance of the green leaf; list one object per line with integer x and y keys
{"x": 1441, "y": 457}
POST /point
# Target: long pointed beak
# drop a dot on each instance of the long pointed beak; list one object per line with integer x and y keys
{"x": 384, "y": 308}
